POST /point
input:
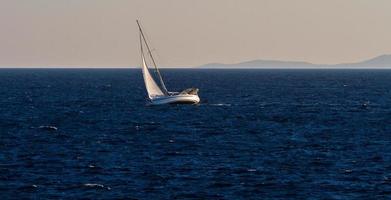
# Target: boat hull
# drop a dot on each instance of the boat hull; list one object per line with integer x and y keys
{"x": 176, "y": 99}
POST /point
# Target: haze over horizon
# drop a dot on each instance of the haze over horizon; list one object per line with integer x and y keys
{"x": 99, "y": 33}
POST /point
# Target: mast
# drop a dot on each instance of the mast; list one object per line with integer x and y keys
{"x": 153, "y": 60}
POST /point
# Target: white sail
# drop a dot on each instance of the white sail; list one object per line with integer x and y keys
{"x": 152, "y": 88}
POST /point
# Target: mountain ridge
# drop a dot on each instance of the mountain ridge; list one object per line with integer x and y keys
{"x": 382, "y": 61}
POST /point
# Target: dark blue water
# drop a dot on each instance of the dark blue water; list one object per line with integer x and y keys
{"x": 258, "y": 134}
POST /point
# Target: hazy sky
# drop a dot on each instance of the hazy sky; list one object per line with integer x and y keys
{"x": 191, "y": 32}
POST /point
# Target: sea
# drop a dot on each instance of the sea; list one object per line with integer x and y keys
{"x": 257, "y": 134}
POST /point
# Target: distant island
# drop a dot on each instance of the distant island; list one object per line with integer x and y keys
{"x": 383, "y": 61}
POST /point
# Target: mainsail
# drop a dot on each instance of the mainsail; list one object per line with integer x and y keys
{"x": 152, "y": 88}
{"x": 162, "y": 89}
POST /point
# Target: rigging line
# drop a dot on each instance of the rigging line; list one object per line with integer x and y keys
{"x": 153, "y": 60}
{"x": 141, "y": 46}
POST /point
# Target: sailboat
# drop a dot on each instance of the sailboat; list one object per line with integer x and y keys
{"x": 158, "y": 93}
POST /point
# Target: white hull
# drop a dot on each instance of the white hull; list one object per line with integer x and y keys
{"x": 176, "y": 99}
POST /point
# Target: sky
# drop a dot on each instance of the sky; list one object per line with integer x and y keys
{"x": 183, "y": 33}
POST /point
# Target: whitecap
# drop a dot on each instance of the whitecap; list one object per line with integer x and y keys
{"x": 96, "y": 185}
{"x": 365, "y": 104}
{"x": 221, "y": 104}
{"x": 49, "y": 128}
